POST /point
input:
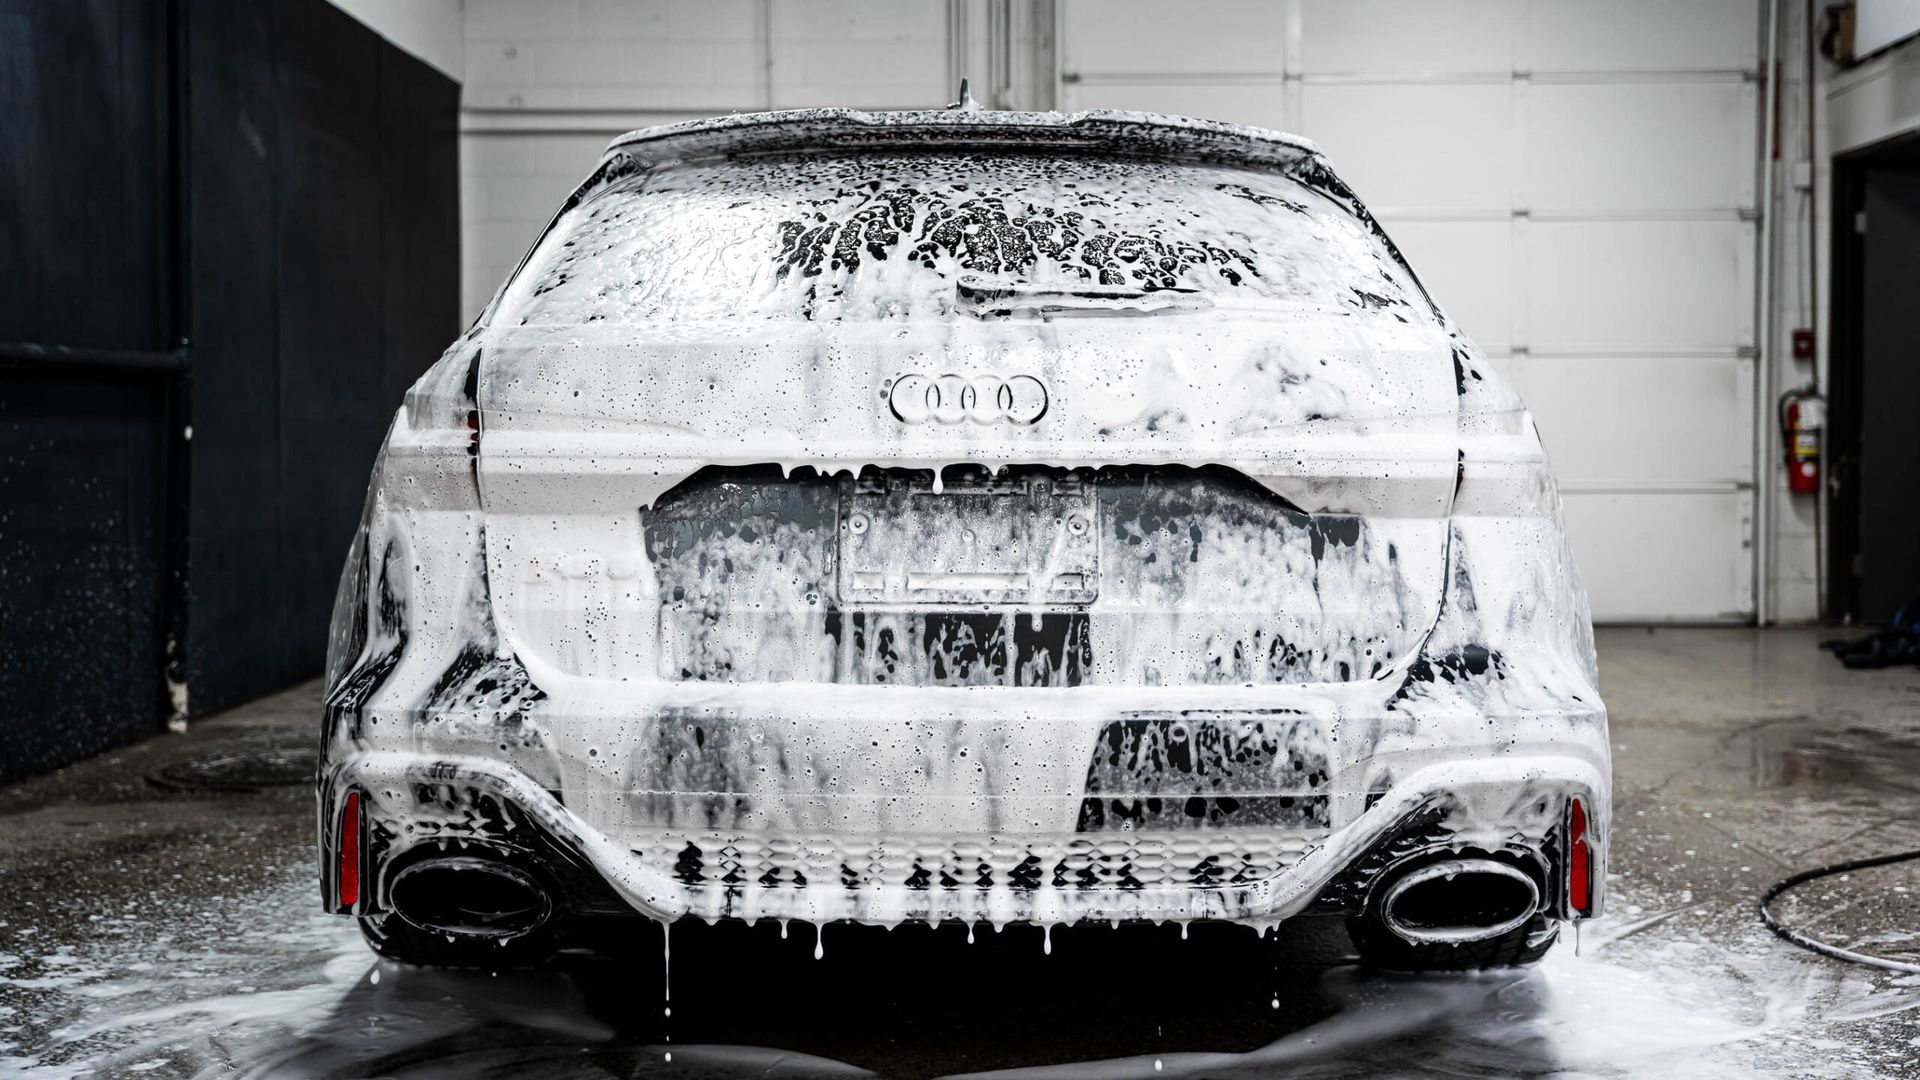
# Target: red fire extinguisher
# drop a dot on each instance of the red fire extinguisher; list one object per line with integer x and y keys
{"x": 1802, "y": 415}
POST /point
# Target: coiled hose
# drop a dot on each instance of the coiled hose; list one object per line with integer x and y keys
{"x": 1821, "y": 947}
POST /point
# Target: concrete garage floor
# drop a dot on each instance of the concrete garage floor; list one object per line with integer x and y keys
{"x": 149, "y": 932}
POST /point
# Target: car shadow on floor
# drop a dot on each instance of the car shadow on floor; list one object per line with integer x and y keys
{"x": 924, "y": 1002}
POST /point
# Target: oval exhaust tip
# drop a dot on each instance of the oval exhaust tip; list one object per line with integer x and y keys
{"x": 470, "y": 897}
{"x": 1459, "y": 901}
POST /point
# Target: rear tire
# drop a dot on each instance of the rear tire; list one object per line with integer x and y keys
{"x": 397, "y": 939}
{"x": 1385, "y": 950}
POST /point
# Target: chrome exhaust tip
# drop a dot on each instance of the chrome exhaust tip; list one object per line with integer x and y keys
{"x": 1458, "y": 901}
{"x": 469, "y": 897}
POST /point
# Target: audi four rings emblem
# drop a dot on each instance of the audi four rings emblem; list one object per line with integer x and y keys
{"x": 983, "y": 399}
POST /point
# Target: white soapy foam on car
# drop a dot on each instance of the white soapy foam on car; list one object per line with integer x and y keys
{"x": 509, "y": 623}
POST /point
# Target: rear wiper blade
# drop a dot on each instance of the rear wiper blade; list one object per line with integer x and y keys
{"x": 984, "y": 297}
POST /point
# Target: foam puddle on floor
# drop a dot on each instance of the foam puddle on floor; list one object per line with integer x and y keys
{"x": 1678, "y": 994}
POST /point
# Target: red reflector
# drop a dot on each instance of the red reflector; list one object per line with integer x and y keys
{"x": 1579, "y": 861}
{"x": 348, "y": 884}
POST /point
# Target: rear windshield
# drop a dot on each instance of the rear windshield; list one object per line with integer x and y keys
{"x": 891, "y": 236}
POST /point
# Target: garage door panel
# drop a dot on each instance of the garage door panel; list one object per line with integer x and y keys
{"x": 1641, "y": 419}
{"x": 1376, "y": 36}
{"x": 858, "y": 20}
{"x": 1655, "y": 145}
{"x": 1154, "y": 37}
{"x": 928, "y": 93}
{"x": 1468, "y": 268}
{"x": 864, "y": 72}
{"x": 515, "y": 198}
{"x": 1586, "y": 217}
{"x": 1663, "y": 556}
{"x": 654, "y": 20}
{"x": 1642, "y": 35}
{"x": 1638, "y": 286}
{"x": 1262, "y": 105}
{"x": 1419, "y": 147}
{"x": 525, "y": 154}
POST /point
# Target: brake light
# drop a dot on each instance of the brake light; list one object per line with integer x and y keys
{"x": 1579, "y": 861}
{"x": 347, "y": 882}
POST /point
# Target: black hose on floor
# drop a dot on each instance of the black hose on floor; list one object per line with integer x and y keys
{"x": 1821, "y": 947}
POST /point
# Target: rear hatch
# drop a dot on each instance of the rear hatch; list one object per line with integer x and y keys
{"x": 984, "y": 406}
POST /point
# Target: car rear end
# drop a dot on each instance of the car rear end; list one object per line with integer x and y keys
{"x": 961, "y": 516}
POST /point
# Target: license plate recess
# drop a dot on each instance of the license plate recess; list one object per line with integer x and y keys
{"x": 1025, "y": 541}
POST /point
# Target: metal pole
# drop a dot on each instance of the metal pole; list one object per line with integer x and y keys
{"x": 1763, "y": 339}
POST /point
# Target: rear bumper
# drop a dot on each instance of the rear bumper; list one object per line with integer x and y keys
{"x": 1259, "y": 818}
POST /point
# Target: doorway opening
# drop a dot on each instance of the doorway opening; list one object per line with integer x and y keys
{"x": 1873, "y": 560}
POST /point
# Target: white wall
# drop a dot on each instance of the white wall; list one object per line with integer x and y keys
{"x": 1880, "y": 23}
{"x": 1576, "y": 182}
{"x": 1850, "y": 109}
{"x": 1875, "y": 101}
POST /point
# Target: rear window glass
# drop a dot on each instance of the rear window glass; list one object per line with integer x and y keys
{"x": 889, "y": 236}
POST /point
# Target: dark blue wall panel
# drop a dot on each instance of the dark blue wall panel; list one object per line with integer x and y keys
{"x": 83, "y": 262}
{"x": 319, "y": 155}
{"x": 296, "y": 222}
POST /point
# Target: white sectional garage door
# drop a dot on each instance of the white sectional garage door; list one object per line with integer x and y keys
{"x": 549, "y": 82}
{"x": 1575, "y": 182}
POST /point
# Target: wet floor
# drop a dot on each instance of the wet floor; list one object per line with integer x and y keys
{"x": 149, "y": 930}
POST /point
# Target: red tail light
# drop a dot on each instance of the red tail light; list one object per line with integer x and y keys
{"x": 1579, "y": 861}
{"x": 347, "y": 882}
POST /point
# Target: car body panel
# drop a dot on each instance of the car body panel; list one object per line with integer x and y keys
{"x": 608, "y": 589}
